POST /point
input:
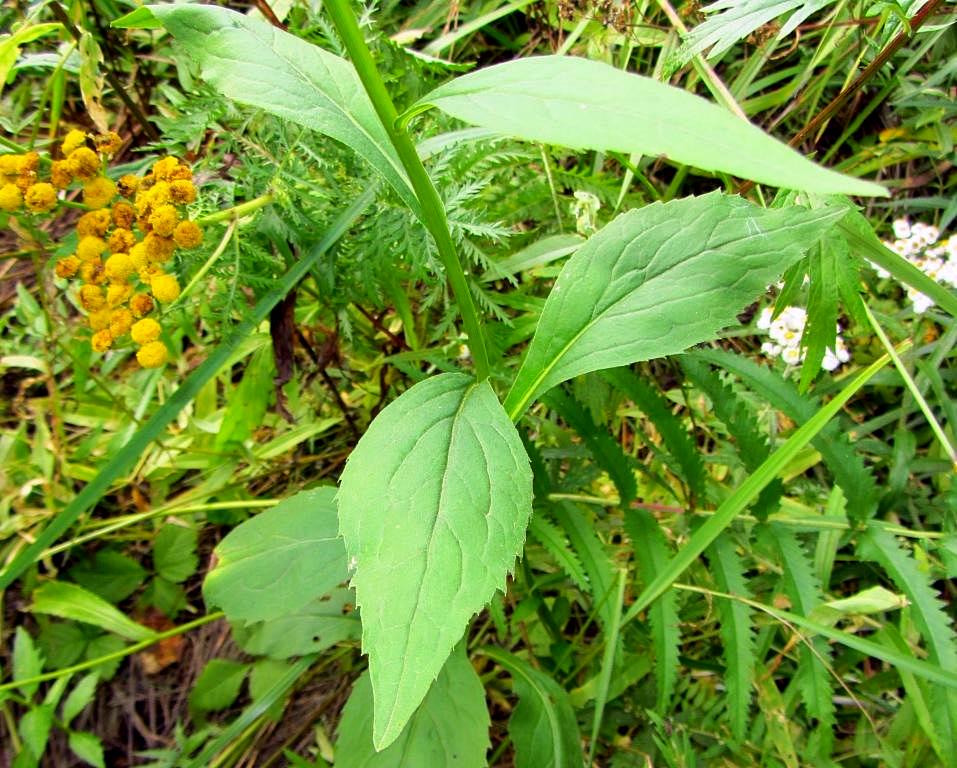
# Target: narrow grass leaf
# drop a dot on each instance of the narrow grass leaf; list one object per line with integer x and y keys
{"x": 584, "y": 104}
{"x": 69, "y": 601}
{"x": 657, "y": 280}
{"x": 433, "y": 506}
{"x": 449, "y": 728}
{"x": 543, "y": 726}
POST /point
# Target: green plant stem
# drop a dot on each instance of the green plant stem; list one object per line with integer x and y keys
{"x": 126, "y": 457}
{"x": 433, "y": 211}
{"x": 120, "y": 654}
{"x": 237, "y": 211}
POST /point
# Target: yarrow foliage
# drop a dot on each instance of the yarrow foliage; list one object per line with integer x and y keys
{"x": 127, "y": 237}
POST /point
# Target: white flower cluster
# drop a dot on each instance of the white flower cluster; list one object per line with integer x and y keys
{"x": 786, "y": 331}
{"x": 918, "y": 243}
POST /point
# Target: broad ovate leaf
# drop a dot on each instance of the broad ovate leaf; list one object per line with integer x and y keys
{"x": 433, "y": 506}
{"x": 543, "y": 726}
{"x": 585, "y": 104}
{"x": 450, "y": 728}
{"x": 279, "y": 561}
{"x": 254, "y": 63}
{"x": 658, "y": 280}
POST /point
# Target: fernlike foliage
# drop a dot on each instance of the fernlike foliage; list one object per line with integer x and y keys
{"x": 434, "y": 502}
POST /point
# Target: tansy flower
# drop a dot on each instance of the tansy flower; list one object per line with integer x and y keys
{"x": 98, "y": 192}
{"x": 181, "y": 173}
{"x": 146, "y": 330}
{"x": 152, "y": 355}
{"x": 72, "y": 141}
{"x": 164, "y": 219}
{"x": 60, "y": 174}
{"x": 147, "y": 273}
{"x": 118, "y": 293}
{"x": 108, "y": 143}
{"x": 138, "y": 255}
{"x": 162, "y": 169}
{"x": 10, "y": 166}
{"x": 10, "y": 198}
{"x": 119, "y": 267}
{"x": 93, "y": 224}
{"x": 84, "y": 163}
{"x": 101, "y": 340}
{"x": 91, "y": 298}
{"x": 158, "y": 249}
{"x": 141, "y": 304}
{"x": 123, "y": 215}
{"x": 67, "y": 267}
{"x": 90, "y": 247}
{"x": 182, "y": 191}
{"x": 120, "y": 322}
{"x": 92, "y": 271}
{"x": 187, "y": 234}
{"x": 127, "y": 185}
{"x": 40, "y": 198}
{"x": 29, "y": 163}
{"x": 121, "y": 240}
{"x": 165, "y": 288}
{"x": 100, "y": 319}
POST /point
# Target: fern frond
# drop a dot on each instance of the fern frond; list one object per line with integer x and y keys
{"x": 673, "y": 433}
{"x": 737, "y": 634}
{"x": 844, "y": 462}
{"x": 651, "y": 555}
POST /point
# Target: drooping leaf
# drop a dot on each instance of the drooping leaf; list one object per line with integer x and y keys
{"x": 737, "y": 634}
{"x": 279, "y": 561}
{"x": 69, "y": 601}
{"x": 657, "y": 280}
{"x": 651, "y": 555}
{"x": 254, "y": 63}
{"x": 310, "y": 629}
{"x": 585, "y": 104}
{"x": 217, "y": 685}
{"x": 543, "y": 725}
{"x": 450, "y": 728}
{"x": 433, "y": 506}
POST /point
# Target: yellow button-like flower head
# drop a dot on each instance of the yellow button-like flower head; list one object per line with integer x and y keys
{"x": 98, "y": 192}
{"x": 164, "y": 219}
{"x": 123, "y": 215}
{"x": 102, "y": 340}
{"x": 84, "y": 163}
{"x": 188, "y": 234}
{"x": 182, "y": 191}
{"x": 141, "y": 304}
{"x": 146, "y": 330}
{"x": 93, "y": 224}
{"x": 120, "y": 322}
{"x": 90, "y": 247}
{"x": 165, "y": 288}
{"x": 119, "y": 267}
{"x": 152, "y": 355}
{"x": 60, "y": 174}
{"x": 118, "y": 294}
{"x": 67, "y": 267}
{"x": 72, "y": 142}
{"x": 40, "y": 198}
{"x": 100, "y": 319}
{"x": 10, "y": 198}
{"x": 92, "y": 298}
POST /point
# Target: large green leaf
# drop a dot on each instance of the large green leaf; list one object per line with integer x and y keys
{"x": 449, "y": 729}
{"x": 254, "y": 63}
{"x": 657, "y": 280}
{"x": 433, "y": 506}
{"x": 280, "y": 560}
{"x": 589, "y": 105}
{"x": 543, "y": 725}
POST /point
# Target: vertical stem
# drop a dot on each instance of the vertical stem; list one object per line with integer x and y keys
{"x": 433, "y": 211}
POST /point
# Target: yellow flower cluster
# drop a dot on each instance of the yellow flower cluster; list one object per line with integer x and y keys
{"x": 126, "y": 239}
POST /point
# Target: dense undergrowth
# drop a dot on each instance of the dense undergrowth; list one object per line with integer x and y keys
{"x": 742, "y": 554}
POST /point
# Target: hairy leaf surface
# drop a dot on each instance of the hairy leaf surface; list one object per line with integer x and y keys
{"x": 279, "y": 561}
{"x": 586, "y": 104}
{"x": 657, "y": 280}
{"x": 433, "y": 506}
{"x": 449, "y": 729}
{"x": 254, "y": 63}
